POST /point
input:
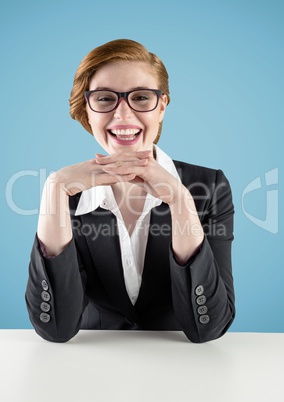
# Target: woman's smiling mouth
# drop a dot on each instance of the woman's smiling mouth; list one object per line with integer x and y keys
{"x": 126, "y": 135}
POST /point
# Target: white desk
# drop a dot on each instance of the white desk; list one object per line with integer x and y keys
{"x": 122, "y": 366}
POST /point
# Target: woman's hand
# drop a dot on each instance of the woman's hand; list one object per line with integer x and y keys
{"x": 87, "y": 174}
{"x": 145, "y": 172}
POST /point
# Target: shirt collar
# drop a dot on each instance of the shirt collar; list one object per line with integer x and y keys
{"x": 102, "y": 196}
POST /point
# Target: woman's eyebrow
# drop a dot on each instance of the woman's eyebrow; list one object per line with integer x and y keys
{"x": 102, "y": 89}
{"x": 111, "y": 89}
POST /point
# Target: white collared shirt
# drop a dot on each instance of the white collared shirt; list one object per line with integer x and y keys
{"x": 132, "y": 247}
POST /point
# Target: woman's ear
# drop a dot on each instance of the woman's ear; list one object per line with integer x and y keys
{"x": 163, "y": 105}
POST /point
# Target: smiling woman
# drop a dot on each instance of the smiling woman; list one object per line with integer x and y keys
{"x": 130, "y": 239}
{"x": 140, "y": 109}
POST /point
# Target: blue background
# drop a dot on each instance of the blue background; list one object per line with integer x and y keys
{"x": 225, "y": 61}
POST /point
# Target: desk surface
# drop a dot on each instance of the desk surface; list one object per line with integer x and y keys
{"x": 116, "y": 366}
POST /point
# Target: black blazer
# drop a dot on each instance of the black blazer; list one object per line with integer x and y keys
{"x": 83, "y": 287}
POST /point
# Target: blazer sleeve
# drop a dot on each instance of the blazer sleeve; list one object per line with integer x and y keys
{"x": 55, "y": 293}
{"x": 202, "y": 289}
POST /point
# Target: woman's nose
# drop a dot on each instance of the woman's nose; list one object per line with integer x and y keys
{"x": 123, "y": 110}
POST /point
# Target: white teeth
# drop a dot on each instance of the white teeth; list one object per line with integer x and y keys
{"x": 126, "y": 139}
{"x": 128, "y": 131}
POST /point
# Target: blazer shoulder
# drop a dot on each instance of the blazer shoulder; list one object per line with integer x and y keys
{"x": 190, "y": 173}
{"x": 194, "y": 168}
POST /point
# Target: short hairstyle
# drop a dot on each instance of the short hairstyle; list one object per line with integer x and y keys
{"x": 116, "y": 50}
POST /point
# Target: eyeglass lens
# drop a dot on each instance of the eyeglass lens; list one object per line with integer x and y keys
{"x": 141, "y": 100}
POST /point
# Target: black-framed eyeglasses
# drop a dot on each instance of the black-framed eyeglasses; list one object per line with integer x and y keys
{"x": 140, "y": 100}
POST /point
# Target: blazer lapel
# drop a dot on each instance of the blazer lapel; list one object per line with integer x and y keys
{"x": 104, "y": 247}
{"x": 156, "y": 264}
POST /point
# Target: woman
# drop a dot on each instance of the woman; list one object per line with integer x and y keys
{"x": 130, "y": 239}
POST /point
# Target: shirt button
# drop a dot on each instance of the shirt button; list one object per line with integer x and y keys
{"x": 105, "y": 204}
{"x": 201, "y": 300}
{"x": 44, "y": 285}
{"x": 45, "y": 296}
{"x": 199, "y": 290}
{"x": 129, "y": 261}
{"x": 45, "y": 307}
{"x": 44, "y": 317}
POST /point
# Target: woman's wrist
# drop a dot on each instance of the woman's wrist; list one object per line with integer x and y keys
{"x": 180, "y": 199}
{"x": 187, "y": 231}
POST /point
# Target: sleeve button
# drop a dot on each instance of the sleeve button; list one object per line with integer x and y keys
{"x": 45, "y": 307}
{"x": 44, "y": 285}
{"x": 45, "y": 296}
{"x": 204, "y": 319}
{"x": 44, "y": 317}
{"x": 202, "y": 310}
{"x": 199, "y": 290}
{"x": 201, "y": 300}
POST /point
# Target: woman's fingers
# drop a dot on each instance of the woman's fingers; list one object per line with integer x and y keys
{"x": 122, "y": 166}
{"x": 123, "y": 157}
{"x": 103, "y": 179}
{"x": 125, "y": 169}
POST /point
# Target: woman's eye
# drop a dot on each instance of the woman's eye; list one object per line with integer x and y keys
{"x": 105, "y": 99}
{"x": 139, "y": 98}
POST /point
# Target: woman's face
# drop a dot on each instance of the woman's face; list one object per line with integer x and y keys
{"x": 124, "y": 76}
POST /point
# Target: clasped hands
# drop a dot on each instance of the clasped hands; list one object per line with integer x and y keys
{"x": 139, "y": 168}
